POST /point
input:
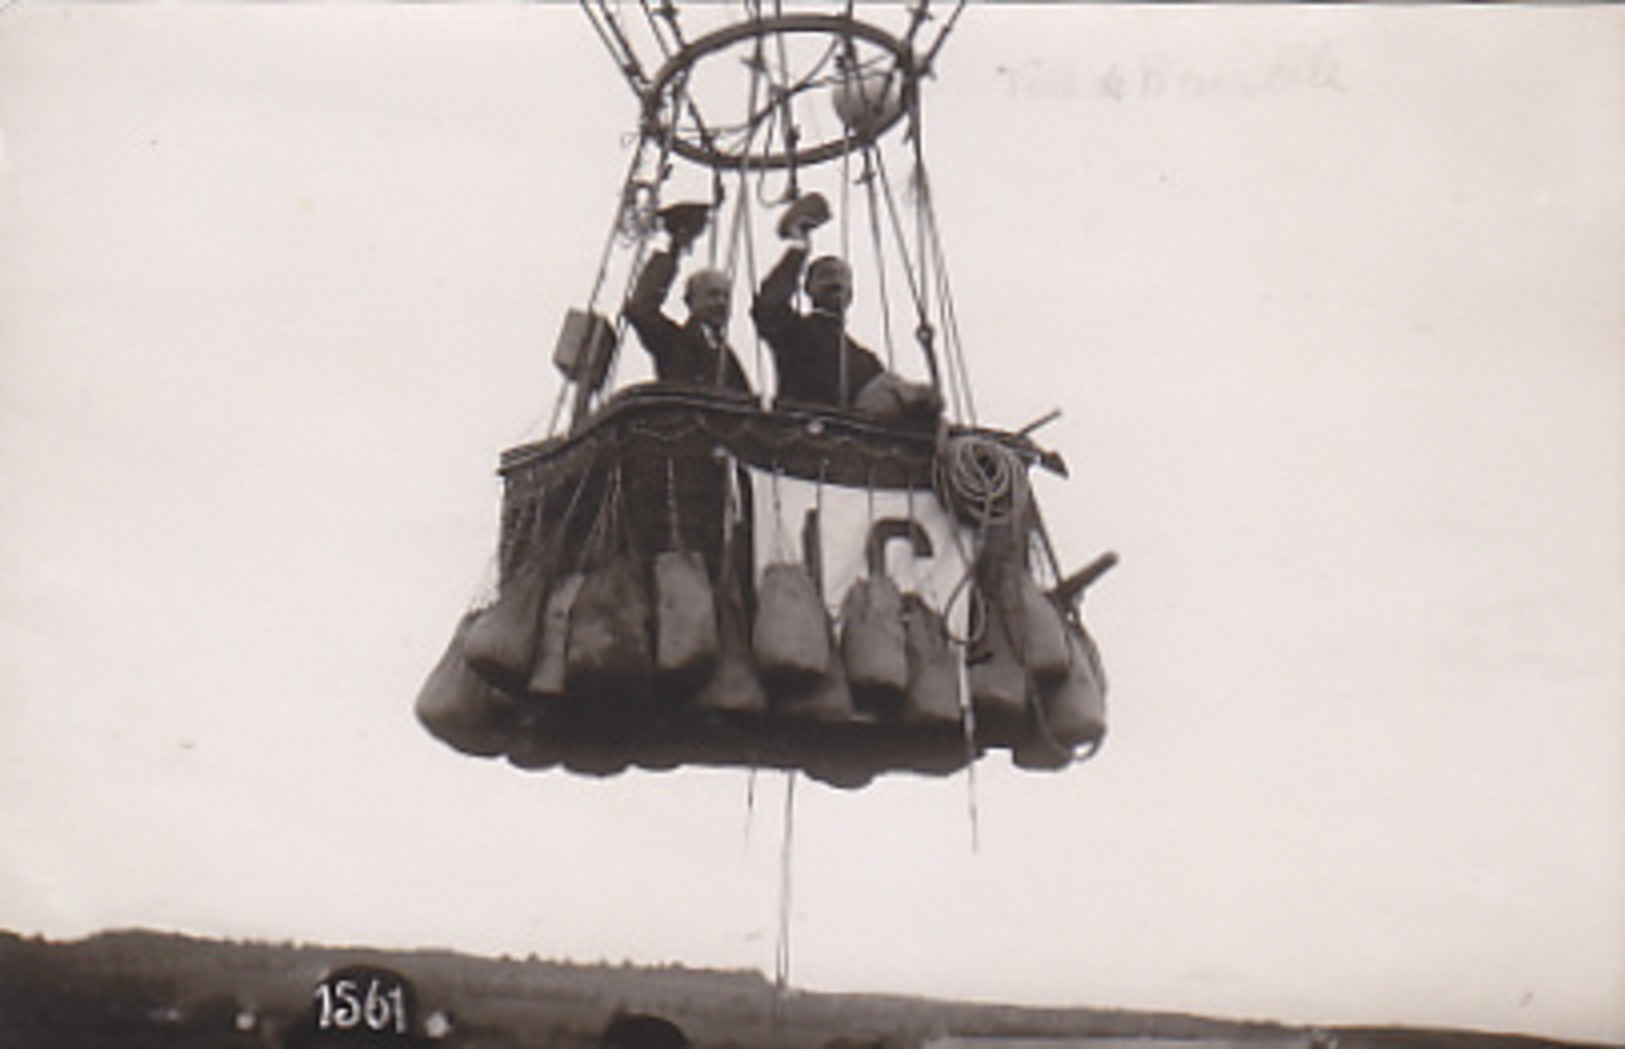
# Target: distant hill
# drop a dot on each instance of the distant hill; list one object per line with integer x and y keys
{"x": 141, "y": 988}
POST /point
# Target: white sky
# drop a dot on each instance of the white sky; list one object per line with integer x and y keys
{"x": 1331, "y": 299}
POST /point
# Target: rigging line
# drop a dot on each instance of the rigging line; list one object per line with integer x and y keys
{"x": 811, "y": 79}
{"x": 791, "y": 133}
{"x": 627, "y": 57}
{"x": 967, "y": 721}
{"x": 603, "y": 36}
{"x": 781, "y": 957}
{"x": 603, "y": 272}
{"x": 922, "y": 211}
{"x": 846, "y": 165}
{"x": 945, "y": 298}
{"x": 942, "y": 38}
{"x": 880, "y": 258}
{"x": 614, "y": 228}
{"x": 923, "y": 331}
{"x": 749, "y": 240}
{"x": 654, "y": 29}
{"x": 846, "y": 195}
{"x": 638, "y": 254}
{"x": 750, "y": 807}
{"x": 757, "y": 67}
{"x": 918, "y": 14}
{"x": 914, "y": 287}
{"x": 668, "y": 11}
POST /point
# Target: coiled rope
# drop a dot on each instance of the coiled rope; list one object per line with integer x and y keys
{"x": 982, "y": 481}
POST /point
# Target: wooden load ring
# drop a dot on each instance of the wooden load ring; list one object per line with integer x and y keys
{"x": 667, "y": 96}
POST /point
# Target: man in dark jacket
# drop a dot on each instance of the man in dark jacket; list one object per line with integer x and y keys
{"x": 817, "y": 361}
{"x": 697, "y": 351}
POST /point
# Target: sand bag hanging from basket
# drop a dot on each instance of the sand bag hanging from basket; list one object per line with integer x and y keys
{"x": 999, "y": 683}
{"x": 790, "y": 633}
{"x": 548, "y": 677}
{"x": 608, "y": 649}
{"x": 501, "y": 644}
{"x": 1074, "y": 711}
{"x": 825, "y": 699}
{"x": 933, "y": 666}
{"x": 459, "y": 708}
{"x": 608, "y": 652}
{"x": 873, "y": 645}
{"x": 734, "y": 686}
{"x": 608, "y": 646}
{"x": 685, "y": 617}
{"x": 685, "y": 607}
{"x": 1043, "y": 635}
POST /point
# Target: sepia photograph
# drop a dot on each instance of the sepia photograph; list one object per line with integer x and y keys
{"x": 804, "y": 523}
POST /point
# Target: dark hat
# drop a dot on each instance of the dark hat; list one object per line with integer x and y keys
{"x": 808, "y": 211}
{"x": 684, "y": 220}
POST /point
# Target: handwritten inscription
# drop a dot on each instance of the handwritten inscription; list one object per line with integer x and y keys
{"x": 1162, "y": 77}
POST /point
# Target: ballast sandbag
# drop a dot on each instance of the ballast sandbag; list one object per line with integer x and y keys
{"x": 608, "y": 650}
{"x": 998, "y": 679}
{"x": 1043, "y": 636}
{"x": 791, "y": 630}
{"x": 501, "y": 644}
{"x": 459, "y": 708}
{"x": 873, "y": 647}
{"x": 1074, "y": 711}
{"x": 549, "y": 675}
{"x": 734, "y": 686}
{"x": 824, "y": 700}
{"x": 933, "y": 667}
{"x": 685, "y": 618}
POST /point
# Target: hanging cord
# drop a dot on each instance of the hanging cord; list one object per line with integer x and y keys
{"x": 791, "y": 133}
{"x": 916, "y": 287}
{"x": 748, "y": 238}
{"x": 675, "y": 530}
{"x": 615, "y": 42}
{"x": 588, "y": 552}
{"x": 847, "y": 68}
{"x": 942, "y": 38}
{"x": 967, "y": 722}
{"x": 750, "y": 807}
{"x": 781, "y": 957}
{"x": 950, "y": 317}
{"x": 655, "y": 30}
{"x": 871, "y": 168}
{"x": 642, "y": 245}
{"x": 629, "y": 183}
{"x": 926, "y": 332}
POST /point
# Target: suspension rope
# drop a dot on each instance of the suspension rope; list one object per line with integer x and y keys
{"x": 916, "y": 290}
{"x": 642, "y": 245}
{"x": 950, "y": 317}
{"x": 654, "y": 29}
{"x": 620, "y": 49}
{"x": 628, "y": 182}
{"x": 922, "y": 209}
{"x": 789, "y": 131}
{"x": 781, "y": 956}
{"x": 942, "y": 38}
{"x": 870, "y": 166}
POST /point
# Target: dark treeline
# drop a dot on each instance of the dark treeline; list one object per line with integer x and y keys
{"x": 150, "y": 989}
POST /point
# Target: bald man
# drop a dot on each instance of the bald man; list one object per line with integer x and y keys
{"x": 697, "y": 351}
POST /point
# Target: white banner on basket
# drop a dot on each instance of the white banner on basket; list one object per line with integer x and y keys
{"x": 913, "y": 538}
